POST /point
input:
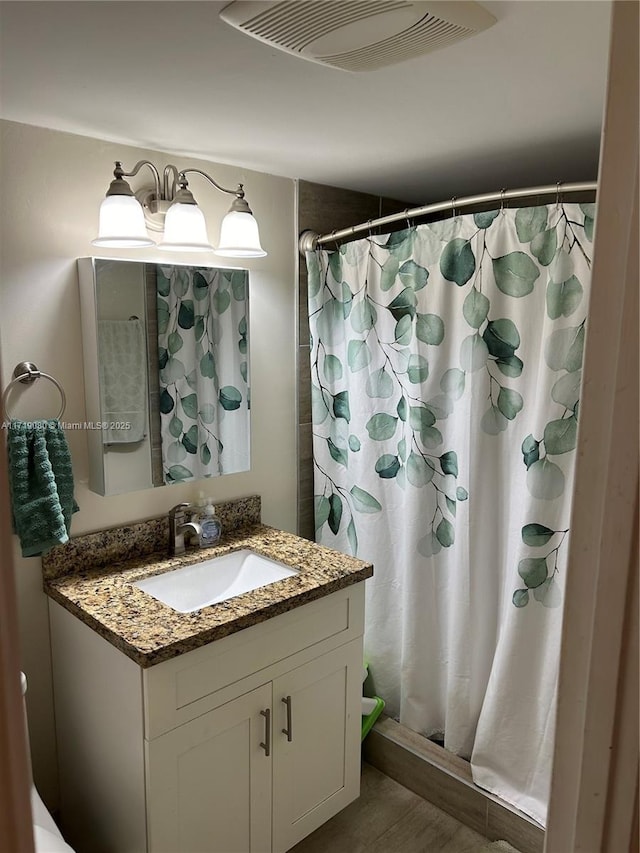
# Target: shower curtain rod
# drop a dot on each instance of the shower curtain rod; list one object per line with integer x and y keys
{"x": 310, "y": 240}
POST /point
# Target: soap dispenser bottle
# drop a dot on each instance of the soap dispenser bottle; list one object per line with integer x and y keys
{"x": 200, "y": 506}
{"x": 210, "y": 525}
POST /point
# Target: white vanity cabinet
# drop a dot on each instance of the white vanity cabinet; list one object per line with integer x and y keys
{"x": 246, "y": 744}
{"x": 231, "y": 781}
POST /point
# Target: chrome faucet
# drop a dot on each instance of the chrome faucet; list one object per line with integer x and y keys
{"x": 181, "y": 528}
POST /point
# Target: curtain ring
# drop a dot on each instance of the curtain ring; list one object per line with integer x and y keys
{"x": 406, "y": 216}
{"x": 335, "y": 242}
{"x": 453, "y": 206}
{"x": 558, "y": 185}
{"x": 502, "y": 192}
{"x": 369, "y": 227}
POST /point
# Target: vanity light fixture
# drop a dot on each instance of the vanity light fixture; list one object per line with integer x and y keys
{"x": 169, "y": 206}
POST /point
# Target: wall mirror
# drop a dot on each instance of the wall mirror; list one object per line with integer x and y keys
{"x": 166, "y": 355}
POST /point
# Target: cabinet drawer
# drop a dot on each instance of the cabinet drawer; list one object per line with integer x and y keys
{"x": 181, "y": 689}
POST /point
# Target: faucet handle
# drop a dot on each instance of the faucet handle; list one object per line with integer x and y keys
{"x": 178, "y": 509}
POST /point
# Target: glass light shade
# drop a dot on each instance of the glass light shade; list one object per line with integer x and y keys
{"x": 239, "y": 237}
{"x": 121, "y": 223}
{"x": 185, "y": 229}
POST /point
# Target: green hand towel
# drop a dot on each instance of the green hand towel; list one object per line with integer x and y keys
{"x": 41, "y": 484}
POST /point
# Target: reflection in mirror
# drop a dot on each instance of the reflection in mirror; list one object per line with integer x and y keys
{"x": 166, "y": 372}
{"x": 202, "y": 351}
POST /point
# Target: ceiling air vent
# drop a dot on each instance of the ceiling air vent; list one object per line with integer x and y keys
{"x": 362, "y": 35}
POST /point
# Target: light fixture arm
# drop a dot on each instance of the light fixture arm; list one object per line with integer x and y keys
{"x": 211, "y": 181}
{"x": 170, "y": 181}
{"x": 239, "y": 204}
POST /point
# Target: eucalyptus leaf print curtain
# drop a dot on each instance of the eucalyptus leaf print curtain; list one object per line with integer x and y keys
{"x": 446, "y": 367}
{"x": 204, "y": 393}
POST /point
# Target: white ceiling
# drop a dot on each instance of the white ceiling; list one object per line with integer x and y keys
{"x": 518, "y": 104}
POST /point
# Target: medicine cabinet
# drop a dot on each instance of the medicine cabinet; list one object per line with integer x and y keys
{"x": 166, "y": 368}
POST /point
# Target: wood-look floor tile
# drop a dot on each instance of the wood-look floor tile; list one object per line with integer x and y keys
{"x": 427, "y": 829}
{"x": 382, "y": 804}
{"x": 519, "y": 831}
{"x": 423, "y": 747}
{"x": 459, "y": 799}
{"x": 445, "y": 781}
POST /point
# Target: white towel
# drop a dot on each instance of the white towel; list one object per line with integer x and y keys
{"x": 123, "y": 380}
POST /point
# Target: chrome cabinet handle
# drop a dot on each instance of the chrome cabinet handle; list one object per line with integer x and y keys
{"x": 288, "y": 731}
{"x": 267, "y": 731}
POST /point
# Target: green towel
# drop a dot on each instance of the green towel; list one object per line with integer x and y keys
{"x": 41, "y": 484}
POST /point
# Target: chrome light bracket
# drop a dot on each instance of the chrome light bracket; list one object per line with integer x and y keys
{"x": 154, "y": 207}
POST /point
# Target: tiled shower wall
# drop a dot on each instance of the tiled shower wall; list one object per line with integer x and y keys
{"x": 322, "y": 209}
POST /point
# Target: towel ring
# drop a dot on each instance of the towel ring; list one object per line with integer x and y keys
{"x": 27, "y": 372}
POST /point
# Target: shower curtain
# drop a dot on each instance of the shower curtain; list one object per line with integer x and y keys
{"x": 446, "y": 367}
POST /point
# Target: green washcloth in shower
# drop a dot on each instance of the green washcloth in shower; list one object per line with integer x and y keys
{"x": 41, "y": 484}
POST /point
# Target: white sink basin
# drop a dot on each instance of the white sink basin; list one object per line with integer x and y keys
{"x": 192, "y": 587}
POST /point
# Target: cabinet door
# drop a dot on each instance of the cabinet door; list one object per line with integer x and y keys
{"x": 209, "y": 781}
{"x": 316, "y": 770}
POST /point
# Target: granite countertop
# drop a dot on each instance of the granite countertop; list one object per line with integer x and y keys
{"x": 150, "y": 632}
